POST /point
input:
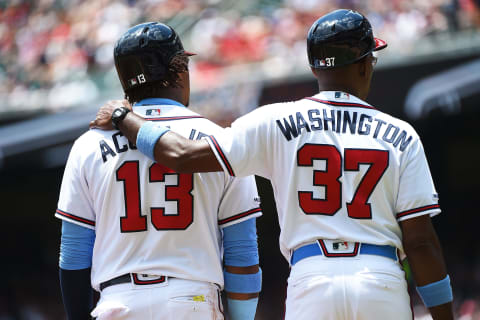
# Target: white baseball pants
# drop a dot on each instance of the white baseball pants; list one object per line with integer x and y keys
{"x": 175, "y": 299}
{"x": 365, "y": 287}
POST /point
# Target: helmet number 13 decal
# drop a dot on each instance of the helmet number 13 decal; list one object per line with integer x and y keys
{"x": 133, "y": 220}
{"x": 358, "y": 207}
{"x": 141, "y": 78}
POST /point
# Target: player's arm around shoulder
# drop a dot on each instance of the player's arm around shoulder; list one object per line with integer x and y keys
{"x": 158, "y": 142}
{"x": 242, "y": 273}
{"x": 425, "y": 257}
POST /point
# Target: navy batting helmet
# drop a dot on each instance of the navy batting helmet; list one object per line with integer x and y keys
{"x": 339, "y": 38}
{"x": 143, "y": 53}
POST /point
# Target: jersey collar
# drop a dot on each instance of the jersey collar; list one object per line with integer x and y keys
{"x": 158, "y": 102}
{"x": 340, "y": 98}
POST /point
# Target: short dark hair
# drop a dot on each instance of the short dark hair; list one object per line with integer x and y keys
{"x": 177, "y": 65}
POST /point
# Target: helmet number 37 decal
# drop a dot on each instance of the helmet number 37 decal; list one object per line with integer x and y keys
{"x": 327, "y": 62}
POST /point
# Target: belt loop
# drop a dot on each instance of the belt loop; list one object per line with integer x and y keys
{"x": 320, "y": 246}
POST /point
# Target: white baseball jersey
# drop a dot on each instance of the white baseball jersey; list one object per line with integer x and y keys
{"x": 147, "y": 218}
{"x": 340, "y": 169}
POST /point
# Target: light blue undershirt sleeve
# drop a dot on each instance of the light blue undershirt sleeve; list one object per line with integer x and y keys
{"x": 240, "y": 244}
{"x": 241, "y": 250}
{"x": 242, "y": 309}
{"x": 76, "y": 247}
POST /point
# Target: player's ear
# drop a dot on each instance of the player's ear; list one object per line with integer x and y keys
{"x": 315, "y": 72}
{"x": 362, "y": 68}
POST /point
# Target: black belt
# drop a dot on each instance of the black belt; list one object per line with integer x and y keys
{"x": 126, "y": 278}
{"x": 118, "y": 280}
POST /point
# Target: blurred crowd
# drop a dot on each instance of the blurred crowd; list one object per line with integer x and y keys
{"x": 51, "y": 50}
{"x": 56, "y": 54}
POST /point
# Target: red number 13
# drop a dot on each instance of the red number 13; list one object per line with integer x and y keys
{"x": 134, "y": 221}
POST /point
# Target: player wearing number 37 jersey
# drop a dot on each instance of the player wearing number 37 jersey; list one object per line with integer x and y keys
{"x": 352, "y": 185}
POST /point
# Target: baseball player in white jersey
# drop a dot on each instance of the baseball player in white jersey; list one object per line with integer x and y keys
{"x": 157, "y": 234}
{"x": 352, "y": 185}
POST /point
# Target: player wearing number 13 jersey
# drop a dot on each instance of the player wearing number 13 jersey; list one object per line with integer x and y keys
{"x": 164, "y": 243}
{"x": 352, "y": 185}
{"x": 147, "y": 218}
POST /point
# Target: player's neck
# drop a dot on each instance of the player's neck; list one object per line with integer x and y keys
{"x": 347, "y": 89}
{"x": 175, "y": 94}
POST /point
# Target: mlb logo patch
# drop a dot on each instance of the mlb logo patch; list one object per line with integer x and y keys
{"x": 132, "y": 81}
{"x": 340, "y": 245}
{"x": 153, "y": 112}
{"x": 341, "y": 95}
{"x": 320, "y": 63}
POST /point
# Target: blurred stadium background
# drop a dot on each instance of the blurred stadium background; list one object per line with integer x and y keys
{"x": 56, "y": 69}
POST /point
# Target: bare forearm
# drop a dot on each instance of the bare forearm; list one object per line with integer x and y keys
{"x": 428, "y": 266}
{"x": 442, "y": 312}
{"x": 185, "y": 156}
{"x": 130, "y": 126}
{"x": 425, "y": 257}
{"x": 173, "y": 150}
{"x": 426, "y": 261}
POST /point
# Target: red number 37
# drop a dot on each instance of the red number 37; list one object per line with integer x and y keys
{"x": 358, "y": 207}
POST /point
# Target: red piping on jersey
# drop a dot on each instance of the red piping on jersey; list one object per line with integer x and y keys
{"x": 412, "y": 211}
{"x": 239, "y": 216}
{"x": 74, "y": 217}
{"x": 341, "y": 104}
{"x": 222, "y": 155}
{"x": 173, "y": 118}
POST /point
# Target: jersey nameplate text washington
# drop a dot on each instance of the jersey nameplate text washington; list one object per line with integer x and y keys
{"x": 342, "y": 121}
